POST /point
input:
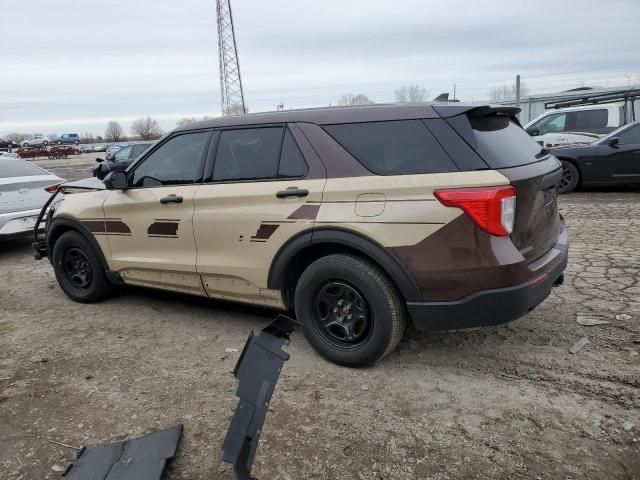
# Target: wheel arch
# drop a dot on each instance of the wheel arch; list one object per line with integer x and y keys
{"x": 306, "y": 247}
{"x": 63, "y": 224}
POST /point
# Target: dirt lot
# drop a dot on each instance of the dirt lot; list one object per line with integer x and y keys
{"x": 501, "y": 402}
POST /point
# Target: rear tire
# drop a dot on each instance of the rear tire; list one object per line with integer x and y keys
{"x": 350, "y": 311}
{"x": 570, "y": 177}
{"x": 79, "y": 270}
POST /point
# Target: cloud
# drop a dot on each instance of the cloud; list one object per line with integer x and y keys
{"x": 84, "y": 63}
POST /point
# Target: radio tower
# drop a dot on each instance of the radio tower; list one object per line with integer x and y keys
{"x": 232, "y": 96}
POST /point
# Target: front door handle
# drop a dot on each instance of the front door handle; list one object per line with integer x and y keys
{"x": 292, "y": 192}
{"x": 173, "y": 198}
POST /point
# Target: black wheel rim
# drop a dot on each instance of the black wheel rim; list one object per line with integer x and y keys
{"x": 77, "y": 268}
{"x": 567, "y": 178}
{"x": 342, "y": 315}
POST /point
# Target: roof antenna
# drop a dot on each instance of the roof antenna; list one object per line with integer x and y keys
{"x": 443, "y": 97}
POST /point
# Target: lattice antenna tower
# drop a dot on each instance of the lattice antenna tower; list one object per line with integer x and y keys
{"x": 231, "y": 93}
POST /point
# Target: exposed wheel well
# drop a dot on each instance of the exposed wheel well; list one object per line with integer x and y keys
{"x": 302, "y": 259}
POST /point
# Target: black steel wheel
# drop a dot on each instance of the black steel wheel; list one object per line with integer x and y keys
{"x": 343, "y": 317}
{"x": 570, "y": 177}
{"x": 350, "y": 311}
{"x": 79, "y": 269}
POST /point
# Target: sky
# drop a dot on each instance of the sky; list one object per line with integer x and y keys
{"x": 73, "y": 65}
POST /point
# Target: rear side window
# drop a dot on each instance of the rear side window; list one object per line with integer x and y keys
{"x": 502, "y": 143}
{"x": 292, "y": 164}
{"x": 17, "y": 168}
{"x": 589, "y": 120}
{"x": 400, "y": 147}
{"x": 247, "y": 154}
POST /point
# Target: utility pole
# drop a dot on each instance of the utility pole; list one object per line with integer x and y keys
{"x": 231, "y": 93}
{"x": 518, "y": 92}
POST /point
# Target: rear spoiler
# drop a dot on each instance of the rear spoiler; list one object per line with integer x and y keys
{"x": 448, "y": 110}
{"x": 457, "y": 116}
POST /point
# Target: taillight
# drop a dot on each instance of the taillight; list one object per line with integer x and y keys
{"x": 493, "y": 209}
{"x": 53, "y": 188}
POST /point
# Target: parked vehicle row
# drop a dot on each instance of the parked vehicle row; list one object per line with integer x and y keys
{"x": 359, "y": 219}
{"x": 55, "y": 151}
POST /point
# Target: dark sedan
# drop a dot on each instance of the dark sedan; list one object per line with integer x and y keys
{"x": 610, "y": 160}
{"x": 120, "y": 160}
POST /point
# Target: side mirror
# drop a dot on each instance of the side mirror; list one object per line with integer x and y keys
{"x": 116, "y": 181}
{"x": 533, "y": 131}
{"x": 612, "y": 142}
{"x": 99, "y": 160}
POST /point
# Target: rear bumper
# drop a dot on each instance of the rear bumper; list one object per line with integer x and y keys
{"x": 496, "y": 306}
{"x": 17, "y": 224}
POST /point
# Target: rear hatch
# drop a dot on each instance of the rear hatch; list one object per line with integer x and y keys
{"x": 496, "y": 135}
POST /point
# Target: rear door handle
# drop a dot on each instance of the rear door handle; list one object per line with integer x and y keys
{"x": 173, "y": 198}
{"x": 292, "y": 192}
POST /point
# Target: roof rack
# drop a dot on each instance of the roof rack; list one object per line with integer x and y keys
{"x": 620, "y": 96}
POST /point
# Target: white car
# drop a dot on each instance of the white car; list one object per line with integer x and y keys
{"x": 99, "y": 147}
{"x": 566, "y": 126}
{"x": 22, "y": 195}
{"x": 36, "y": 141}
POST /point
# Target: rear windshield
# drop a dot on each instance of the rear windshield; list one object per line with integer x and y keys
{"x": 18, "y": 168}
{"x": 399, "y": 147}
{"x": 502, "y": 143}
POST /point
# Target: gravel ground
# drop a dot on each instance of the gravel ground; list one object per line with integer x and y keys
{"x": 501, "y": 402}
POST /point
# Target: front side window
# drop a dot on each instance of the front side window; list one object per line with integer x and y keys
{"x": 122, "y": 155}
{"x": 552, "y": 124}
{"x": 139, "y": 150}
{"x": 398, "y": 147}
{"x": 248, "y": 154}
{"x": 631, "y": 136}
{"x": 175, "y": 162}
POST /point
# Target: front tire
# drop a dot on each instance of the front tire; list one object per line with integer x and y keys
{"x": 79, "y": 270}
{"x": 570, "y": 177}
{"x": 350, "y": 311}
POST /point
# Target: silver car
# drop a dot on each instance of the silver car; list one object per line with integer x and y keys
{"x": 22, "y": 195}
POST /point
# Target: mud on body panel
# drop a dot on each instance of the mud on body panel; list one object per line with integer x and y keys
{"x": 239, "y": 228}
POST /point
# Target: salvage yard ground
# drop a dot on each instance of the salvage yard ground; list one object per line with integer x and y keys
{"x": 503, "y": 402}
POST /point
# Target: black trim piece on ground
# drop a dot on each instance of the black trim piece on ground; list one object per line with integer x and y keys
{"x": 143, "y": 458}
{"x": 257, "y": 371}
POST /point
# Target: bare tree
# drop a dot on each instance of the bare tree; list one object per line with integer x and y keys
{"x": 113, "y": 132}
{"x": 87, "y": 137}
{"x": 507, "y": 92}
{"x": 411, "y": 94}
{"x": 351, "y": 99}
{"x": 16, "y": 137}
{"x": 235, "y": 109}
{"x": 146, "y": 128}
{"x": 184, "y": 121}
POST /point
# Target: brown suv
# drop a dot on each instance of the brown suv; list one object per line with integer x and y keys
{"x": 359, "y": 219}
